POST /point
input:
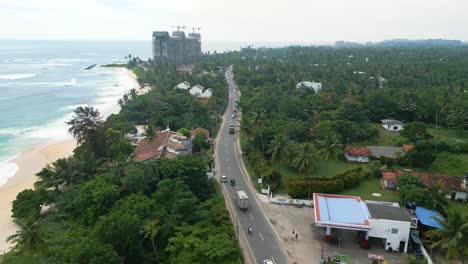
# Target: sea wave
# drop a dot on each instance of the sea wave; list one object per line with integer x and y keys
{"x": 72, "y": 81}
{"x": 56, "y": 129}
{"x": 16, "y": 76}
{"x": 7, "y": 170}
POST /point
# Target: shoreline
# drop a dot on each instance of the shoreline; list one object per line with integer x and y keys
{"x": 30, "y": 162}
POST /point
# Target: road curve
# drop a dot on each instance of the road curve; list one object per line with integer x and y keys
{"x": 263, "y": 243}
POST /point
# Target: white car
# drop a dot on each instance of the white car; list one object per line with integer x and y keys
{"x": 268, "y": 261}
{"x": 223, "y": 179}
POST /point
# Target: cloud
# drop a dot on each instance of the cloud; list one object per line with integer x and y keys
{"x": 242, "y": 20}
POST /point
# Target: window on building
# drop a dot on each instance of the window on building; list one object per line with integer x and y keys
{"x": 394, "y": 230}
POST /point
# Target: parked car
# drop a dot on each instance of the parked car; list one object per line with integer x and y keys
{"x": 223, "y": 179}
{"x": 268, "y": 261}
{"x": 233, "y": 181}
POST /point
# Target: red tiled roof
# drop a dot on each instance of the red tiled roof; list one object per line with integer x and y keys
{"x": 358, "y": 151}
{"x": 389, "y": 175}
{"x": 450, "y": 183}
{"x": 407, "y": 147}
{"x": 193, "y": 132}
{"x": 156, "y": 148}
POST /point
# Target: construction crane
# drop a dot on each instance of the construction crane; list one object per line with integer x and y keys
{"x": 195, "y": 28}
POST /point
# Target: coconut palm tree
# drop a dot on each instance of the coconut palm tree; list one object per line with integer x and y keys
{"x": 280, "y": 149}
{"x": 256, "y": 119}
{"x": 151, "y": 229}
{"x": 304, "y": 156}
{"x": 67, "y": 170}
{"x": 150, "y": 132}
{"x": 48, "y": 178}
{"x": 438, "y": 196}
{"x": 133, "y": 93}
{"x": 453, "y": 234}
{"x": 30, "y": 236}
{"x": 329, "y": 148}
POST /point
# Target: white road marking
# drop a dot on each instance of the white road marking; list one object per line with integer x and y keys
{"x": 261, "y": 235}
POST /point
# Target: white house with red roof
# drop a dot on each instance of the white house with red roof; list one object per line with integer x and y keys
{"x": 358, "y": 154}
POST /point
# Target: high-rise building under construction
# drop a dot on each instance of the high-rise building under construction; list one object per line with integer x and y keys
{"x": 178, "y": 48}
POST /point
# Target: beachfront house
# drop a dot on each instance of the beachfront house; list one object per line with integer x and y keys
{"x": 316, "y": 86}
{"x": 165, "y": 144}
{"x": 357, "y": 154}
{"x": 392, "y": 124}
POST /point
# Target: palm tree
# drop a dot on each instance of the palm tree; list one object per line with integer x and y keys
{"x": 30, "y": 236}
{"x": 329, "y": 148}
{"x": 133, "y": 93}
{"x": 151, "y": 229}
{"x": 48, "y": 178}
{"x": 453, "y": 234}
{"x": 438, "y": 196}
{"x": 280, "y": 150}
{"x": 256, "y": 119}
{"x": 443, "y": 106}
{"x": 150, "y": 132}
{"x": 67, "y": 170}
{"x": 303, "y": 157}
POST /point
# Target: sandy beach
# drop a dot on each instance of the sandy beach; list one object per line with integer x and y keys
{"x": 29, "y": 162}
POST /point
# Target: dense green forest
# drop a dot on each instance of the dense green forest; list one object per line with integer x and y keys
{"x": 285, "y": 126}
{"x": 97, "y": 206}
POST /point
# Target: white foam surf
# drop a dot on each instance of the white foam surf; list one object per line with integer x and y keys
{"x": 7, "y": 170}
{"x": 16, "y": 76}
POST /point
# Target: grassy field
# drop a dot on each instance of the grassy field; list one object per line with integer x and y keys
{"x": 450, "y": 164}
{"x": 320, "y": 170}
{"x": 448, "y": 135}
{"x": 367, "y": 187}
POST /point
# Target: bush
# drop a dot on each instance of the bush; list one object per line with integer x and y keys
{"x": 305, "y": 187}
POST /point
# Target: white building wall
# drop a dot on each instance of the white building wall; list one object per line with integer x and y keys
{"x": 461, "y": 195}
{"x": 357, "y": 158}
{"x": 382, "y": 228}
{"x": 396, "y": 127}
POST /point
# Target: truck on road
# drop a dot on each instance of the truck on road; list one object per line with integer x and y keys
{"x": 242, "y": 200}
{"x": 232, "y": 129}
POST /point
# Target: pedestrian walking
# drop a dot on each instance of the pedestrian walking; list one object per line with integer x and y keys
{"x": 296, "y": 235}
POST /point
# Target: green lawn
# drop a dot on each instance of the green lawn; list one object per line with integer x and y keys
{"x": 448, "y": 135}
{"x": 367, "y": 187}
{"x": 450, "y": 164}
{"x": 320, "y": 170}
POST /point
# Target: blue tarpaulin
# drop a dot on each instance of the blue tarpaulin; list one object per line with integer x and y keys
{"x": 425, "y": 216}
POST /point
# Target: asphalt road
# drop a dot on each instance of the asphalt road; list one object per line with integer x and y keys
{"x": 263, "y": 243}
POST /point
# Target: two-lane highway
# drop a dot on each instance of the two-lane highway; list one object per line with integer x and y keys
{"x": 263, "y": 243}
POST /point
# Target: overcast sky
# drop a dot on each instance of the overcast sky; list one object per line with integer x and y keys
{"x": 315, "y": 21}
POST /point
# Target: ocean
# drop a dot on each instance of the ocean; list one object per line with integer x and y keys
{"x": 41, "y": 82}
